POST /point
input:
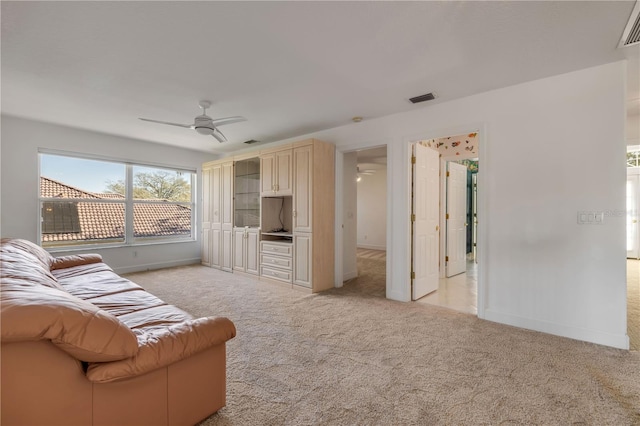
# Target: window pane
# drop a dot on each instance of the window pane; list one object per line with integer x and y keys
{"x": 68, "y": 177}
{"x": 84, "y": 202}
{"x": 161, "y": 220}
{"x": 70, "y": 223}
{"x": 161, "y": 184}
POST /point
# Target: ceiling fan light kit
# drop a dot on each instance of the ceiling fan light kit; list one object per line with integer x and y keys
{"x": 203, "y": 124}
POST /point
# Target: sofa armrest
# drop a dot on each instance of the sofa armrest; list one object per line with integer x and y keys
{"x": 163, "y": 346}
{"x": 74, "y": 260}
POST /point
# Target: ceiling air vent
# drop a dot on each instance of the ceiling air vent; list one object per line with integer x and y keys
{"x": 251, "y": 141}
{"x": 631, "y": 34}
{"x": 422, "y": 98}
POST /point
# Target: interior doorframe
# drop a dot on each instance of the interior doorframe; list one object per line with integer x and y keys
{"x": 483, "y": 218}
{"x": 339, "y": 207}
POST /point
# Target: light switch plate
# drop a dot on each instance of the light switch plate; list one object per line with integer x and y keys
{"x": 590, "y": 218}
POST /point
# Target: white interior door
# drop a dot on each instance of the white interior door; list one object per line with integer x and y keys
{"x": 633, "y": 214}
{"x": 456, "y": 219}
{"x": 426, "y": 205}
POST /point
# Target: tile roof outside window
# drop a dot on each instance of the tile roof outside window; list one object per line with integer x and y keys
{"x": 106, "y": 221}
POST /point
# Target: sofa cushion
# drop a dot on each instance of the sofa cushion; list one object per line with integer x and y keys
{"x": 21, "y": 260}
{"x": 29, "y": 312}
{"x": 74, "y": 260}
{"x": 165, "y": 345}
{"x": 93, "y": 280}
{"x": 17, "y": 245}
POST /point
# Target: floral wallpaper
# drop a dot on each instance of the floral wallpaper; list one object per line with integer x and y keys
{"x": 463, "y": 146}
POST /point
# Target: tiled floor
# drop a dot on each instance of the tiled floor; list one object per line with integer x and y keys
{"x": 459, "y": 292}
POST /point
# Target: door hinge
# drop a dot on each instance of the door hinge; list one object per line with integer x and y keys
{"x": 447, "y": 216}
{"x": 447, "y": 174}
{"x": 446, "y": 258}
{"x": 413, "y": 159}
{"x": 413, "y": 275}
{"x": 413, "y": 218}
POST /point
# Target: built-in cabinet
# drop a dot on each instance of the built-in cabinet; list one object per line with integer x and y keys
{"x": 276, "y": 173}
{"x": 276, "y": 260}
{"x": 245, "y": 250}
{"x": 313, "y": 214}
{"x": 217, "y": 223}
{"x": 291, "y": 191}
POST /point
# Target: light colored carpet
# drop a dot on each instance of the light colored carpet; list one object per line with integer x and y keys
{"x": 339, "y": 358}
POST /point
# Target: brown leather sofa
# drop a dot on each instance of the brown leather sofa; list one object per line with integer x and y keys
{"x": 82, "y": 346}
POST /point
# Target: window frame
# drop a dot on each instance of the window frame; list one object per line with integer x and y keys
{"x": 633, "y": 149}
{"x": 128, "y": 202}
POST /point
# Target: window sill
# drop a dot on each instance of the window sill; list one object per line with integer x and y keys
{"x": 90, "y": 247}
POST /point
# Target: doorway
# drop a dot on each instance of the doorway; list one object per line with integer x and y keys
{"x": 364, "y": 221}
{"x": 457, "y": 205}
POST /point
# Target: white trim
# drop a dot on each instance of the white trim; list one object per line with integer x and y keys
{"x": 372, "y": 247}
{"x": 128, "y": 202}
{"x": 339, "y": 194}
{"x": 483, "y": 254}
{"x": 350, "y": 275}
{"x": 339, "y": 225}
{"x": 98, "y": 246}
{"x": 577, "y": 333}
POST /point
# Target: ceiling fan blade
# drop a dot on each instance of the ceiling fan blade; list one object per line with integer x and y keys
{"x": 227, "y": 120}
{"x": 219, "y": 136}
{"x": 187, "y": 126}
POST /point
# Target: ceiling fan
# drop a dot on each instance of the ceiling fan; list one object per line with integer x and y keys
{"x": 365, "y": 172}
{"x": 204, "y": 124}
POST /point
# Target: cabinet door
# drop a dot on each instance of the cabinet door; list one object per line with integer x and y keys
{"x": 303, "y": 184}
{"x": 226, "y": 193}
{"x": 226, "y": 247}
{"x": 267, "y": 174}
{"x": 216, "y": 248}
{"x": 302, "y": 260}
{"x": 207, "y": 210}
{"x": 252, "y": 252}
{"x": 226, "y": 212}
{"x": 283, "y": 172}
{"x": 239, "y": 248}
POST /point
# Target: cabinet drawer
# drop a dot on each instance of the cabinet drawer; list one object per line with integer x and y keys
{"x": 276, "y": 274}
{"x": 276, "y": 261}
{"x": 283, "y": 249}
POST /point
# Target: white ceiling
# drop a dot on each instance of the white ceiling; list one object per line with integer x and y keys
{"x": 290, "y": 68}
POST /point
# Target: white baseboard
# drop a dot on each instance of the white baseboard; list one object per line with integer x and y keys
{"x": 151, "y": 266}
{"x": 577, "y": 333}
{"x": 349, "y": 275}
{"x": 372, "y": 247}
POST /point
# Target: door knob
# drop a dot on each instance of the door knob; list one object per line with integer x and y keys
{"x": 437, "y": 228}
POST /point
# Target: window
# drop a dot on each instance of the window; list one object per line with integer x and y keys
{"x": 87, "y": 201}
{"x": 633, "y": 156}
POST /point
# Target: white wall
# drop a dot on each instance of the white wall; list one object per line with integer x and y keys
{"x": 19, "y": 146}
{"x": 549, "y": 148}
{"x": 350, "y": 216}
{"x": 372, "y": 212}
